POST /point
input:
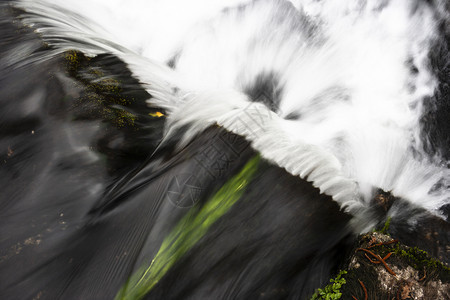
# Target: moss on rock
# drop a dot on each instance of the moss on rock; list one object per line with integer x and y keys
{"x": 409, "y": 273}
{"x": 104, "y": 94}
{"x": 331, "y": 291}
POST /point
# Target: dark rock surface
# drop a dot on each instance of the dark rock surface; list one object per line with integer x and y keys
{"x": 380, "y": 267}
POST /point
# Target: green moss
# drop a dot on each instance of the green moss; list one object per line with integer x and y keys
{"x": 187, "y": 233}
{"x": 103, "y": 97}
{"x": 420, "y": 259}
{"x": 72, "y": 58}
{"x": 96, "y": 72}
{"x": 331, "y": 291}
{"x": 123, "y": 118}
{"x": 106, "y": 85}
{"x": 385, "y": 228}
{"x": 414, "y": 257}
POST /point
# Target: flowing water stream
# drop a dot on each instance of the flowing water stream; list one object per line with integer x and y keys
{"x": 334, "y": 101}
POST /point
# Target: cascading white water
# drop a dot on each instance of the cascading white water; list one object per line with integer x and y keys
{"x": 344, "y": 69}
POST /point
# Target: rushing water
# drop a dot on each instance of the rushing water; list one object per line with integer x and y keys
{"x": 351, "y": 98}
{"x": 352, "y": 79}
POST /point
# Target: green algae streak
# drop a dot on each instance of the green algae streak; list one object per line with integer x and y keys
{"x": 187, "y": 232}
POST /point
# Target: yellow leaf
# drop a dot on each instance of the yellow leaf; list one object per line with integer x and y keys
{"x": 156, "y": 114}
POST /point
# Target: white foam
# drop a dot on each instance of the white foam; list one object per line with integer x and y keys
{"x": 262, "y": 128}
{"x": 342, "y": 67}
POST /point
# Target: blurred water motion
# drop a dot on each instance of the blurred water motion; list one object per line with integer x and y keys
{"x": 124, "y": 178}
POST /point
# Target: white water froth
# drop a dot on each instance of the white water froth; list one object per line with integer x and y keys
{"x": 344, "y": 69}
{"x": 262, "y": 128}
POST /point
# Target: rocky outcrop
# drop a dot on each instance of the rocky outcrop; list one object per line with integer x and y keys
{"x": 380, "y": 267}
